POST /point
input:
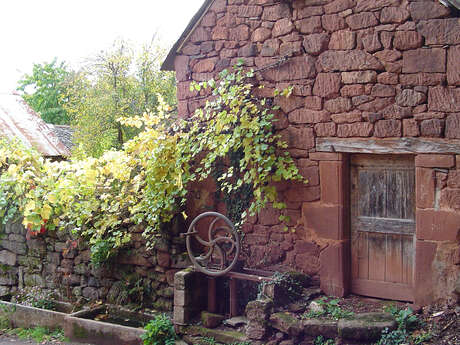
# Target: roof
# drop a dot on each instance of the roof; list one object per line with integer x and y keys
{"x": 64, "y": 134}
{"x": 18, "y": 120}
{"x": 168, "y": 64}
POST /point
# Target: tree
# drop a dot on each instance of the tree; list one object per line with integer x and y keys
{"x": 116, "y": 84}
{"x": 45, "y": 91}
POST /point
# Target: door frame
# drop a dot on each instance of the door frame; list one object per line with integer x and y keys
{"x": 334, "y": 205}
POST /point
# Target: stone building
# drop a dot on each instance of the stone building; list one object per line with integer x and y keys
{"x": 373, "y": 124}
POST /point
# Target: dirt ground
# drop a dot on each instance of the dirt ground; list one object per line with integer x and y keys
{"x": 441, "y": 321}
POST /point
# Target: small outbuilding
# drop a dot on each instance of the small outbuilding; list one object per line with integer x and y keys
{"x": 373, "y": 124}
{"x": 19, "y": 120}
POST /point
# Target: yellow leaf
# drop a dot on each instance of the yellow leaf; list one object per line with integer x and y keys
{"x": 29, "y": 206}
{"x": 46, "y": 211}
{"x": 51, "y": 198}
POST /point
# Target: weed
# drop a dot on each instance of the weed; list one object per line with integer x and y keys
{"x": 322, "y": 341}
{"x": 331, "y": 309}
{"x": 35, "y": 297}
{"x": 421, "y": 338}
{"x": 5, "y": 316}
{"x": 208, "y": 341}
{"x": 40, "y": 334}
{"x": 159, "y": 331}
{"x": 407, "y": 322}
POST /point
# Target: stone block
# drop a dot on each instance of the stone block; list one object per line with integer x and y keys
{"x": 364, "y": 5}
{"x": 438, "y": 225}
{"x": 309, "y": 25}
{"x": 334, "y": 269}
{"x": 325, "y": 220}
{"x": 211, "y": 320}
{"x": 422, "y": 10}
{"x": 366, "y": 326}
{"x": 387, "y": 128}
{"x": 276, "y": 12}
{"x": 333, "y": 22}
{"x": 432, "y": 128}
{"x": 338, "y": 6}
{"x": 299, "y": 138}
{"x": 453, "y": 61}
{"x": 426, "y": 79}
{"x": 300, "y": 116}
{"x": 361, "y": 20}
{"x": 286, "y": 323}
{"x": 338, "y": 105}
{"x": 15, "y": 247}
{"x": 425, "y": 253}
{"x": 348, "y": 61}
{"x": 7, "y": 258}
{"x": 183, "y": 315}
{"x": 453, "y": 126}
{"x": 342, "y": 40}
{"x": 444, "y": 99}
{"x": 328, "y": 129}
{"x": 319, "y": 326}
{"x": 358, "y": 129}
{"x": 315, "y": 44}
{"x": 301, "y": 67}
{"x": 432, "y": 60}
{"x": 394, "y": 15}
{"x": 326, "y": 156}
{"x": 259, "y": 310}
{"x": 185, "y": 279}
{"x": 332, "y": 179}
{"x": 359, "y": 77}
{"x": 425, "y": 187}
{"x": 302, "y": 193}
{"x": 434, "y": 161}
{"x": 407, "y": 40}
{"x": 440, "y": 31}
{"x": 327, "y": 85}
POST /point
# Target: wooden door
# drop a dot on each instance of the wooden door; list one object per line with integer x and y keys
{"x": 383, "y": 226}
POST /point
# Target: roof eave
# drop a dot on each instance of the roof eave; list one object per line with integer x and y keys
{"x": 168, "y": 63}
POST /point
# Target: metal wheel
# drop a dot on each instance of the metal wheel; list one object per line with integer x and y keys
{"x": 217, "y": 255}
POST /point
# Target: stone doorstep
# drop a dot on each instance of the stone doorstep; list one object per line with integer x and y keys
{"x": 363, "y": 327}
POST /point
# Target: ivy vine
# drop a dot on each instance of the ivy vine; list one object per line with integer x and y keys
{"x": 146, "y": 182}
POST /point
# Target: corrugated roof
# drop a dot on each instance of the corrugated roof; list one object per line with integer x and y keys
{"x": 64, "y": 133}
{"x": 19, "y": 120}
{"x": 168, "y": 64}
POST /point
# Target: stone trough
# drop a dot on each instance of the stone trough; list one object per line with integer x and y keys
{"x": 79, "y": 326}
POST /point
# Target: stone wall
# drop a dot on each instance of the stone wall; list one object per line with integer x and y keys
{"x": 57, "y": 262}
{"x": 360, "y": 69}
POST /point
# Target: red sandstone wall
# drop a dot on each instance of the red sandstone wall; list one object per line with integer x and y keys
{"x": 366, "y": 68}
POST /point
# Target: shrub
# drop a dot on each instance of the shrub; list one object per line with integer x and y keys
{"x": 159, "y": 331}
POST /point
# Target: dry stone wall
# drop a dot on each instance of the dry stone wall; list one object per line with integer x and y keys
{"x": 59, "y": 263}
{"x": 360, "y": 69}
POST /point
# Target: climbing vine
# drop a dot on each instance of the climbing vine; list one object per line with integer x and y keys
{"x": 232, "y": 137}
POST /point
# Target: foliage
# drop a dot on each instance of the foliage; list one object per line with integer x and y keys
{"x": 159, "y": 331}
{"x": 146, "y": 182}
{"x": 5, "y": 315}
{"x": 237, "y": 120}
{"x": 48, "y": 97}
{"x": 289, "y": 283}
{"x": 40, "y": 334}
{"x": 331, "y": 309}
{"x": 407, "y": 322}
{"x": 113, "y": 84}
{"x": 35, "y": 297}
{"x": 319, "y": 340}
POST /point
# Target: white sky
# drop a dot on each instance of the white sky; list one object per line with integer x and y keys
{"x": 36, "y": 31}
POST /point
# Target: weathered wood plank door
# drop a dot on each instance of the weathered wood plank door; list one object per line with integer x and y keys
{"x": 383, "y": 226}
